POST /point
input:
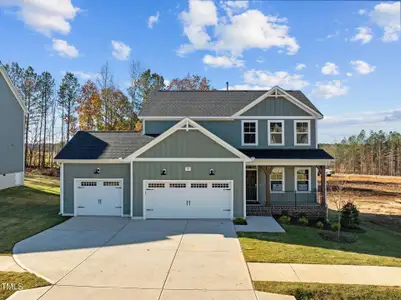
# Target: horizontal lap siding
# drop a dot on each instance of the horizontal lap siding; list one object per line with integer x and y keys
{"x": 72, "y": 171}
{"x": 11, "y": 131}
{"x": 199, "y": 171}
{"x": 188, "y": 144}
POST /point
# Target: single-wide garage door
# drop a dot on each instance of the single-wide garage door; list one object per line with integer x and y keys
{"x": 188, "y": 199}
{"x": 98, "y": 197}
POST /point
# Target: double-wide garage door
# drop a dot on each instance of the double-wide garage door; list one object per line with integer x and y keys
{"x": 188, "y": 199}
{"x": 98, "y": 197}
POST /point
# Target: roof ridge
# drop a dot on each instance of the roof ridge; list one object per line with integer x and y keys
{"x": 208, "y": 91}
{"x": 111, "y": 131}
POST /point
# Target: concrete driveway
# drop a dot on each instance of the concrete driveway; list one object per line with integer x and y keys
{"x": 104, "y": 258}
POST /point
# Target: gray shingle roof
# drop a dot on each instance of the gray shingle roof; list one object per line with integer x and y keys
{"x": 103, "y": 145}
{"x": 205, "y": 103}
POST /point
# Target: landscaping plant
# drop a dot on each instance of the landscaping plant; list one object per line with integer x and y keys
{"x": 303, "y": 221}
{"x": 285, "y": 219}
{"x": 349, "y": 215}
{"x": 319, "y": 225}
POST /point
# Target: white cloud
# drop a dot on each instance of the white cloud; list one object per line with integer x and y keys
{"x": 121, "y": 51}
{"x": 362, "y": 67}
{"x": 329, "y": 89}
{"x": 238, "y": 4}
{"x": 365, "y": 117}
{"x": 299, "y": 67}
{"x": 260, "y": 59}
{"x": 269, "y": 79}
{"x": 364, "y": 34}
{"x": 166, "y": 82}
{"x": 387, "y": 16}
{"x": 63, "y": 49}
{"x": 223, "y": 61}
{"x": 235, "y": 34}
{"x": 330, "y": 69}
{"x": 349, "y": 74}
{"x": 86, "y": 76}
{"x": 243, "y": 87}
{"x": 45, "y": 16}
{"x": 362, "y": 12}
{"x": 153, "y": 19}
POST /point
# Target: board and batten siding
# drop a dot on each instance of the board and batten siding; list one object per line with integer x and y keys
{"x": 275, "y": 107}
{"x": 289, "y": 197}
{"x": 199, "y": 171}
{"x": 75, "y": 171}
{"x": 11, "y": 131}
{"x": 188, "y": 144}
{"x": 230, "y": 132}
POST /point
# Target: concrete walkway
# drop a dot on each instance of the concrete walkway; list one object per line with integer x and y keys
{"x": 260, "y": 224}
{"x": 117, "y": 258}
{"x": 342, "y": 274}
{"x": 8, "y": 264}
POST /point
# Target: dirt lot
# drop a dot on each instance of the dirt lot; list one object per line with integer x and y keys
{"x": 378, "y": 197}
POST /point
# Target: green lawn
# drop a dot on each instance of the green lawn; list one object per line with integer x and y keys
{"x": 27, "y": 210}
{"x": 9, "y": 281}
{"x": 378, "y": 246}
{"x": 311, "y": 291}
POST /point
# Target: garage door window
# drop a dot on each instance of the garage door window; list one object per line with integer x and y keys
{"x": 198, "y": 185}
{"x": 156, "y": 185}
{"x": 178, "y": 185}
{"x": 220, "y": 185}
{"x": 111, "y": 183}
{"x": 88, "y": 183}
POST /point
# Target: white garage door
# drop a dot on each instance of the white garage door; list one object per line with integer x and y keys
{"x": 188, "y": 199}
{"x": 98, "y": 197}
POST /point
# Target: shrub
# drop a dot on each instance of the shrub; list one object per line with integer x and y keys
{"x": 327, "y": 226}
{"x": 285, "y": 213}
{"x": 319, "y": 225}
{"x": 285, "y": 219}
{"x": 349, "y": 215}
{"x": 335, "y": 227}
{"x": 240, "y": 221}
{"x": 303, "y": 221}
{"x": 302, "y": 215}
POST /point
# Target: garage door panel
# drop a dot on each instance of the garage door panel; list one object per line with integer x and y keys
{"x": 192, "y": 199}
{"x": 100, "y": 197}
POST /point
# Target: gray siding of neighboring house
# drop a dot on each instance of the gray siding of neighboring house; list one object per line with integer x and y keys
{"x": 230, "y": 131}
{"x": 190, "y": 143}
{"x": 200, "y": 171}
{"x": 72, "y": 171}
{"x": 275, "y": 107}
{"x": 289, "y": 197}
{"x": 11, "y": 131}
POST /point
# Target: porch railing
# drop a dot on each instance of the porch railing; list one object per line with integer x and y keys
{"x": 289, "y": 198}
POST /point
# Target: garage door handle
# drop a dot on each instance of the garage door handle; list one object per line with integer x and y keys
{"x": 149, "y": 189}
{"x": 226, "y": 209}
{"x": 81, "y": 206}
{"x": 227, "y": 189}
{"x": 148, "y": 209}
{"x": 118, "y": 207}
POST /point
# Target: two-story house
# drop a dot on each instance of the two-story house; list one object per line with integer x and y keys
{"x": 12, "y": 127}
{"x": 202, "y": 154}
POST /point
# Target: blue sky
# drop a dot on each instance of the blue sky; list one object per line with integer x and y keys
{"x": 343, "y": 54}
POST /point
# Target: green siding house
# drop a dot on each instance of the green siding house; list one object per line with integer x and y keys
{"x": 201, "y": 154}
{"x": 12, "y": 119}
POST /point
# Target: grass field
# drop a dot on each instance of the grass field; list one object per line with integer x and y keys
{"x": 27, "y": 210}
{"x": 19, "y": 280}
{"x": 378, "y": 198}
{"x": 310, "y": 291}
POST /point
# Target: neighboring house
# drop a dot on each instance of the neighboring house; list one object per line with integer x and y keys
{"x": 202, "y": 154}
{"x": 12, "y": 123}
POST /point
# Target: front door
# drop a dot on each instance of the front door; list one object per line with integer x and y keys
{"x": 251, "y": 185}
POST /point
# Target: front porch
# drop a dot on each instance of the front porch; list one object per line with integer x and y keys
{"x": 295, "y": 189}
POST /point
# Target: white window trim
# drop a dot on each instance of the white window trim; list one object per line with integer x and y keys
{"x": 256, "y": 132}
{"x": 295, "y": 132}
{"x": 282, "y": 132}
{"x": 283, "y": 190}
{"x": 309, "y": 181}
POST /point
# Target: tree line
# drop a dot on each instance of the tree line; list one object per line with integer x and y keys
{"x": 376, "y": 153}
{"x": 96, "y": 105}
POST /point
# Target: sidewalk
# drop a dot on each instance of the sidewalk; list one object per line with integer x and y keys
{"x": 7, "y": 264}
{"x": 342, "y": 274}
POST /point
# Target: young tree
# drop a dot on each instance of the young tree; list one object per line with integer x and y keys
{"x": 338, "y": 194}
{"x": 105, "y": 84}
{"x": 68, "y": 94}
{"x": 190, "y": 82}
{"x": 133, "y": 92}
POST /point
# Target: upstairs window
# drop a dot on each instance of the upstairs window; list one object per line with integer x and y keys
{"x": 302, "y": 180}
{"x": 277, "y": 180}
{"x": 302, "y": 133}
{"x": 276, "y": 133}
{"x": 249, "y": 133}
